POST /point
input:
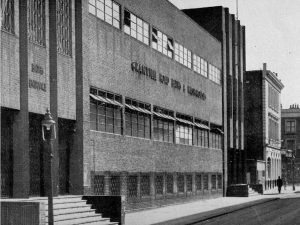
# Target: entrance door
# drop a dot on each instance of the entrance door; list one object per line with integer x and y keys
{"x": 64, "y": 161}
{"x": 36, "y": 156}
{"x": 6, "y": 157}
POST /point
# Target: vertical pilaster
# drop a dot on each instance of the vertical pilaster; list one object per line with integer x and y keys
{"x": 53, "y": 90}
{"x": 21, "y": 168}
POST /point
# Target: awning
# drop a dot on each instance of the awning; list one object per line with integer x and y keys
{"x": 164, "y": 116}
{"x": 217, "y": 130}
{"x": 136, "y": 108}
{"x": 105, "y": 100}
{"x": 184, "y": 121}
{"x": 202, "y": 126}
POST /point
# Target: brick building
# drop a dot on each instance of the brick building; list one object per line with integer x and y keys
{"x": 136, "y": 88}
{"x": 262, "y": 126}
{"x": 290, "y": 135}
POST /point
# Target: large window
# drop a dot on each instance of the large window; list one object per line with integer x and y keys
{"x": 200, "y": 65}
{"x": 162, "y": 43}
{"x": 273, "y": 129}
{"x": 136, "y": 27}
{"x": 106, "y": 10}
{"x": 201, "y": 133}
{"x": 36, "y": 21}
{"x": 8, "y": 22}
{"x": 105, "y": 111}
{"x": 273, "y": 98}
{"x": 184, "y": 130}
{"x": 290, "y": 126}
{"x": 137, "y": 118}
{"x": 214, "y": 74}
{"x": 64, "y": 36}
{"x": 183, "y": 55}
{"x": 215, "y": 140}
{"x": 163, "y": 125}
{"x": 291, "y": 144}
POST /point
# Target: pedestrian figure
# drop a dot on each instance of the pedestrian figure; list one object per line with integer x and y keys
{"x": 279, "y": 184}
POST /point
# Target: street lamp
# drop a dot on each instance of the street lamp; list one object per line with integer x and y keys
{"x": 48, "y": 135}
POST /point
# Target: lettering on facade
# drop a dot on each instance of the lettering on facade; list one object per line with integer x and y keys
{"x": 163, "y": 79}
{"x": 196, "y": 93}
{"x": 35, "y": 68}
{"x": 37, "y": 85}
{"x": 141, "y": 69}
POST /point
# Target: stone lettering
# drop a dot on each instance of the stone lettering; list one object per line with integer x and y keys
{"x": 37, "y": 85}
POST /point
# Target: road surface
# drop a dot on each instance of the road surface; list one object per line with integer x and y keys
{"x": 285, "y": 211}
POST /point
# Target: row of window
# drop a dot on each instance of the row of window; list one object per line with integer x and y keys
{"x": 37, "y": 22}
{"x": 106, "y": 115}
{"x": 110, "y": 12}
{"x": 273, "y": 98}
{"x": 184, "y": 182}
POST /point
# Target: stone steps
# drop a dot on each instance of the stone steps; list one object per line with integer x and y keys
{"x": 72, "y": 210}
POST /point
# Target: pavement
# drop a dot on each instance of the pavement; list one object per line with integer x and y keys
{"x": 203, "y": 209}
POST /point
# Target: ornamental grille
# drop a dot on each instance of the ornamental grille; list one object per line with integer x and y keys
{"x": 36, "y": 21}
{"x": 198, "y": 182}
{"x": 63, "y": 14}
{"x": 189, "y": 183}
{"x": 213, "y": 182}
{"x": 99, "y": 185}
{"x": 132, "y": 183}
{"x": 180, "y": 183}
{"x": 220, "y": 181}
{"x": 115, "y": 185}
{"x": 159, "y": 184}
{"x": 205, "y": 182}
{"x": 8, "y": 22}
{"x": 145, "y": 185}
{"x": 170, "y": 184}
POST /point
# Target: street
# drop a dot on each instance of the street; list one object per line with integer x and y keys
{"x": 284, "y": 211}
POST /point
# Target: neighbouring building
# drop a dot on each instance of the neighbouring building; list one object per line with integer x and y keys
{"x": 263, "y": 126}
{"x": 228, "y": 30}
{"x": 290, "y": 135}
{"x": 136, "y": 88}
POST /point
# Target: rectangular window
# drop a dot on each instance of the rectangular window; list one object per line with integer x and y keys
{"x": 64, "y": 37}
{"x": 201, "y": 130}
{"x": 163, "y": 125}
{"x": 205, "y": 181}
{"x": 162, "y": 43}
{"x": 36, "y": 21}
{"x": 273, "y": 98}
{"x": 170, "y": 184}
{"x": 136, "y": 27}
{"x": 290, "y": 126}
{"x": 180, "y": 183}
{"x": 291, "y": 144}
{"x": 115, "y": 185}
{"x": 132, "y": 183}
{"x": 273, "y": 129}
{"x": 198, "y": 182}
{"x": 213, "y": 182}
{"x": 214, "y": 74}
{"x": 105, "y": 111}
{"x": 215, "y": 140}
{"x": 8, "y": 20}
{"x": 220, "y": 182}
{"x": 106, "y": 10}
{"x": 183, "y": 55}
{"x": 99, "y": 184}
{"x": 137, "y": 119}
{"x": 199, "y": 65}
{"x": 184, "y": 129}
{"x": 145, "y": 185}
{"x": 159, "y": 184}
{"x": 189, "y": 183}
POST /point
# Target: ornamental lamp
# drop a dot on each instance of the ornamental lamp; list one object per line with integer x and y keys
{"x": 48, "y": 127}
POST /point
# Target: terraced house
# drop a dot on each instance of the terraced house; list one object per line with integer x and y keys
{"x": 136, "y": 89}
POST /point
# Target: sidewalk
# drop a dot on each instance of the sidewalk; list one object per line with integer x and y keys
{"x": 203, "y": 207}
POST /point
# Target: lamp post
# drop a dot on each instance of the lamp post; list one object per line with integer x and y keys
{"x": 48, "y": 135}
